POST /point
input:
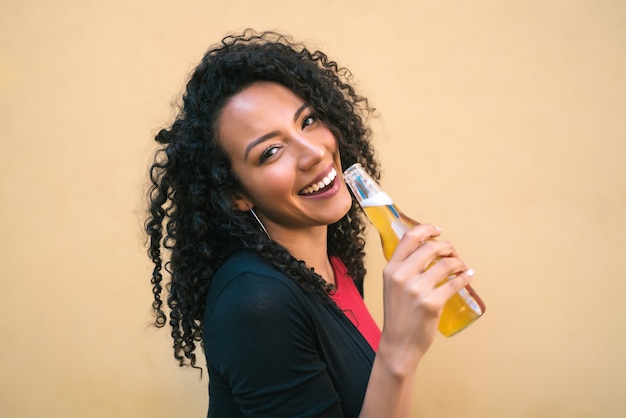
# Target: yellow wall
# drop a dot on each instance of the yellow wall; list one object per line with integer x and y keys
{"x": 503, "y": 122}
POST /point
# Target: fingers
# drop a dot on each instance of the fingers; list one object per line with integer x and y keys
{"x": 442, "y": 268}
{"x": 429, "y": 264}
{"x": 419, "y": 250}
{"x": 413, "y": 239}
{"x": 423, "y": 263}
{"x": 445, "y": 281}
{"x": 447, "y": 272}
{"x": 455, "y": 283}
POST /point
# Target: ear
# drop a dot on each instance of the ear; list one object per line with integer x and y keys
{"x": 241, "y": 203}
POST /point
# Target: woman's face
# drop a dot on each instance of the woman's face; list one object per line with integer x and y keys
{"x": 286, "y": 159}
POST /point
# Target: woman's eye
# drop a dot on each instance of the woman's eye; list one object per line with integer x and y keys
{"x": 268, "y": 153}
{"x": 308, "y": 121}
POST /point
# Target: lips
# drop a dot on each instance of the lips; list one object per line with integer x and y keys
{"x": 321, "y": 185}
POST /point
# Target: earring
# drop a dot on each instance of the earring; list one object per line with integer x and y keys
{"x": 260, "y": 223}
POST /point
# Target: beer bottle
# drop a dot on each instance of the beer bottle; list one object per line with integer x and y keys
{"x": 463, "y": 308}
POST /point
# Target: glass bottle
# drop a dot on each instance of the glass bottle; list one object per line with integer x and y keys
{"x": 463, "y": 308}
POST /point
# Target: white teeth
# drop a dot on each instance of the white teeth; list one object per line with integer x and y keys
{"x": 321, "y": 184}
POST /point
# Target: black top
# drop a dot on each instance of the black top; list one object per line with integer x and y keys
{"x": 276, "y": 350}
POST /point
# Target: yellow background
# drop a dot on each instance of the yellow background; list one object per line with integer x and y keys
{"x": 503, "y": 122}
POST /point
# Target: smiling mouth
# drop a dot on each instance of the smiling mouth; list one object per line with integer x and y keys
{"x": 321, "y": 185}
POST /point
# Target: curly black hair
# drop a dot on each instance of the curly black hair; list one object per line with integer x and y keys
{"x": 191, "y": 218}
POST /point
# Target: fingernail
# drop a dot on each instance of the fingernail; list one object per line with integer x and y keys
{"x": 470, "y": 272}
{"x": 438, "y": 229}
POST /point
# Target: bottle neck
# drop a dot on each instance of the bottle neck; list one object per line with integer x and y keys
{"x": 379, "y": 199}
{"x": 364, "y": 188}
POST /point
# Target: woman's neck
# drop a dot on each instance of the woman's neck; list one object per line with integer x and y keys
{"x": 311, "y": 246}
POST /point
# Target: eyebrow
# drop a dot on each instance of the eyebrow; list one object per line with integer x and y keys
{"x": 272, "y": 134}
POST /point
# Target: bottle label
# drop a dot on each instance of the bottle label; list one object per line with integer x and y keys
{"x": 399, "y": 228}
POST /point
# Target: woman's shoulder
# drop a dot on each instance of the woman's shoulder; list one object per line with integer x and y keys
{"x": 247, "y": 266}
{"x": 247, "y": 281}
{"x": 245, "y": 261}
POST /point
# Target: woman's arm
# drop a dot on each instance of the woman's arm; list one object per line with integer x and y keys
{"x": 412, "y": 307}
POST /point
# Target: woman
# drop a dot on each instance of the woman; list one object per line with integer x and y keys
{"x": 266, "y": 244}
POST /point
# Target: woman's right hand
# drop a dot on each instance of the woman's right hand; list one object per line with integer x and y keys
{"x": 412, "y": 300}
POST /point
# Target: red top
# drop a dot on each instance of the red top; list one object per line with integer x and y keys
{"x": 349, "y": 300}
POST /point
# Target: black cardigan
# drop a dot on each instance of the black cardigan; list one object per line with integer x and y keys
{"x": 276, "y": 350}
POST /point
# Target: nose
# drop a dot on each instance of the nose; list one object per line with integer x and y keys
{"x": 311, "y": 152}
